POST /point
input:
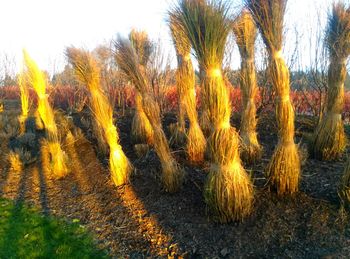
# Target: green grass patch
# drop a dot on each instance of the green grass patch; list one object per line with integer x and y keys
{"x": 26, "y": 233}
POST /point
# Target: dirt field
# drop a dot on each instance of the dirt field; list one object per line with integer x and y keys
{"x": 141, "y": 220}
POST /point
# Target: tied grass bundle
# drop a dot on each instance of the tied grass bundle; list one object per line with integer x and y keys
{"x": 37, "y": 80}
{"x": 228, "y": 189}
{"x": 24, "y": 91}
{"x": 185, "y": 80}
{"x": 245, "y": 33}
{"x": 141, "y": 129}
{"x": 344, "y": 191}
{"x": 284, "y": 168}
{"x": 128, "y": 62}
{"x": 87, "y": 72}
{"x": 183, "y": 77}
{"x": 329, "y": 140}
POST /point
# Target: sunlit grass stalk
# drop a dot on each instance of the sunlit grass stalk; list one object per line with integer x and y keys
{"x": 185, "y": 80}
{"x": 128, "y": 61}
{"x": 87, "y": 72}
{"x": 141, "y": 129}
{"x": 23, "y": 87}
{"x": 37, "y": 80}
{"x": 284, "y": 168}
{"x": 245, "y": 33}
{"x": 329, "y": 139}
{"x": 228, "y": 189}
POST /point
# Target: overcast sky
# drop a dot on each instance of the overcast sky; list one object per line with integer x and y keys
{"x": 46, "y": 27}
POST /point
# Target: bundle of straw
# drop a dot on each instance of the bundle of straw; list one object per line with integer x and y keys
{"x": 329, "y": 140}
{"x": 245, "y": 33}
{"x": 129, "y": 63}
{"x": 23, "y": 87}
{"x": 37, "y": 80}
{"x": 284, "y": 167}
{"x": 185, "y": 80}
{"x": 87, "y": 72}
{"x": 228, "y": 189}
{"x": 141, "y": 129}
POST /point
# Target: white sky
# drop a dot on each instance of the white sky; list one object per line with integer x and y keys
{"x": 46, "y": 27}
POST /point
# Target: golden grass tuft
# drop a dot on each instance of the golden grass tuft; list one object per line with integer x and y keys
{"x": 185, "y": 80}
{"x": 228, "y": 189}
{"x": 87, "y": 72}
{"x": 128, "y": 62}
{"x": 329, "y": 141}
{"x": 245, "y": 33}
{"x": 141, "y": 130}
{"x": 15, "y": 162}
{"x": 284, "y": 168}
{"x": 37, "y": 80}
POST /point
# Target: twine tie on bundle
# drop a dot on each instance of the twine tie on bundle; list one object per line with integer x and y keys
{"x": 336, "y": 116}
{"x": 214, "y": 73}
{"x": 42, "y": 96}
{"x": 187, "y": 57}
{"x": 224, "y": 125}
{"x": 284, "y": 99}
{"x": 278, "y": 54}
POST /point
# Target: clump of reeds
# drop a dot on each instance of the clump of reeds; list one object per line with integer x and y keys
{"x": 245, "y": 33}
{"x": 141, "y": 129}
{"x": 37, "y": 80}
{"x": 284, "y": 168}
{"x": 185, "y": 80}
{"x": 128, "y": 61}
{"x": 87, "y": 72}
{"x": 329, "y": 139}
{"x": 23, "y": 87}
{"x": 228, "y": 189}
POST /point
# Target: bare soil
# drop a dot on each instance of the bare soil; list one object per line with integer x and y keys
{"x": 141, "y": 220}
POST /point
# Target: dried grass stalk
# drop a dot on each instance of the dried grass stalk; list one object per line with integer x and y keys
{"x": 284, "y": 168}
{"x": 128, "y": 62}
{"x": 245, "y": 33}
{"x": 228, "y": 189}
{"x": 141, "y": 129}
{"x": 329, "y": 140}
{"x": 185, "y": 80}
{"x": 88, "y": 72}
{"x": 37, "y": 80}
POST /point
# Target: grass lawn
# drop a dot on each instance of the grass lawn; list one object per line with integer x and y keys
{"x": 26, "y": 233}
